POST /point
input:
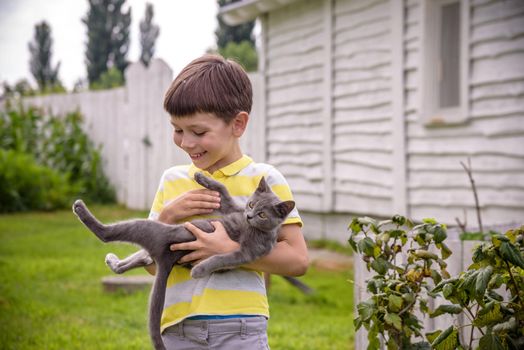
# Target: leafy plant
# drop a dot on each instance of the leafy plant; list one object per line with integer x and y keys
{"x": 491, "y": 292}
{"x": 58, "y": 143}
{"x": 28, "y": 185}
{"x": 398, "y": 288}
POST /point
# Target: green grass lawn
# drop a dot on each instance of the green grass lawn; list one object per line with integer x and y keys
{"x": 51, "y": 296}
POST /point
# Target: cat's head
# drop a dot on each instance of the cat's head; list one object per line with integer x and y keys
{"x": 264, "y": 210}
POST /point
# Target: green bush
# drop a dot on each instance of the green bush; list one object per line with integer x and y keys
{"x": 60, "y": 144}
{"x": 27, "y": 185}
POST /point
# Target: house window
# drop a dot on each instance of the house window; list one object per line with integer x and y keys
{"x": 444, "y": 67}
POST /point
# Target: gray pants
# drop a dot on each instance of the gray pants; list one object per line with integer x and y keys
{"x": 230, "y": 334}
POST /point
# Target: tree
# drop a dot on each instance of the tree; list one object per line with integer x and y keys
{"x": 243, "y": 52}
{"x": 40, "y": 61}
{"x": 237, "y": 42}
{"x": 107, "y": 37}
{"x": 148, "y": 35}
{"x": 226, "y": 33}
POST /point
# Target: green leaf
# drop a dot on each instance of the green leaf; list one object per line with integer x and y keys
{"x": 399, "y": 220}
{"x": 495, "y": 296}
{"x": 357, "y": 322}
{"x": 478, "y": 253}
{"x": 511, "y": 253}
{"x": 366, "y": 309}
{"x": 447, "y": 290}
{"x": 431, "y": 336}
{"x": 394, "y": 320}
{"x": 444, "y": 250}
{"x": 446, "y": 309}
{"x": 490, "y": 341}
{"x": 483, "y": 278}
{"x": 429, "y": 221}
{"x": 366, "y": 246}
{"x": 394, "y": 302}
{"x": 487, "y": 308}
{"x": 391, "y": 344}
{"x": 355, "y": 226}
{"x": 492, "y": 317}
{"x": 439, "y": 235}
{"x": 447, "y": 340}
{"x": 380, "y": 265}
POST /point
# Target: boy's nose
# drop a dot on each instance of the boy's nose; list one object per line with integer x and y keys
{"x": 187, "y": 142}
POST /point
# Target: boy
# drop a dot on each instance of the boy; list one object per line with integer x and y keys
{"x": 209, "y": 103}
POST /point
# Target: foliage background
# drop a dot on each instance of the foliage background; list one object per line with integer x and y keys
{"x": 47, "y": 160}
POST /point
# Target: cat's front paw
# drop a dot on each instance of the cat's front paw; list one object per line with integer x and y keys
{"x": 199, "y": 271}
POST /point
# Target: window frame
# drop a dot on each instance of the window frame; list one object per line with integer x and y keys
{"x": 431, "y": 113}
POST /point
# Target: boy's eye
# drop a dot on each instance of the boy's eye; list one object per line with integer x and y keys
{"x": 199, "y": 133}
{"x": 178, "y": 131}
{"x": 251, "y": 205}
{"x": 262, "y": 215}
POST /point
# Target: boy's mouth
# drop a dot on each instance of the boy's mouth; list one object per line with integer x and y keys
{"x": 197, "y": 155}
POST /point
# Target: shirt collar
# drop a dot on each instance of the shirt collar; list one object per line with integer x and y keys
{"x": 229, "y": 170}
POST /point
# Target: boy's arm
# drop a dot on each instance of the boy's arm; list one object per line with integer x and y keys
{"x": 289, "y": 256}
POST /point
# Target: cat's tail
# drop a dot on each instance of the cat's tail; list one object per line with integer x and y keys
{"x": 99, "y": 229}
{"x": 156, "y": 305}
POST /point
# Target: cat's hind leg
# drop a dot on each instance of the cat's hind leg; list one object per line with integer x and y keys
{"x": 81, "y": 211}
{"x": 139, "y": 259}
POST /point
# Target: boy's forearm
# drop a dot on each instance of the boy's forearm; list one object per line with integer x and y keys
{"x": 282, "y": 260}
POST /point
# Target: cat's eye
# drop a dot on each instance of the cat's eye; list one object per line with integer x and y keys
{"x": 251, "y": 205}
{"x": 262, "y": 215}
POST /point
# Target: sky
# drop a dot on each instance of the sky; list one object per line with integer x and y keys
{"x": 186, "y": 31}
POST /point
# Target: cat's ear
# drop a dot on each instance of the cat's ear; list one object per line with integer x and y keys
{"x": 263, "y": 186}
{"x": 284, "y": 208}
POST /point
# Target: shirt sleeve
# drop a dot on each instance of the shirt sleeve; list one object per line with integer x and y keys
{"x": 158, "y": 201}
{"x": 281, "y": 188}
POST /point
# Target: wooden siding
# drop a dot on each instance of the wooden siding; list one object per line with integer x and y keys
{"x": 493, "y": 135}
{"x": 294, "y": 73}
{"x": 362, "y": 113}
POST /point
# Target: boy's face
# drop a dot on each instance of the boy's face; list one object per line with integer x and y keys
{"x": 209, "y": 141}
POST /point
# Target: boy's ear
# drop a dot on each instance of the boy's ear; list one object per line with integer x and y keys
{"x": 239, "y": 123}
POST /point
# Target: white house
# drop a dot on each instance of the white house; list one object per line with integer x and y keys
{"x": 371, "y": 105}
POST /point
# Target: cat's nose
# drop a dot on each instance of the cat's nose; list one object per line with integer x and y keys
{"x": 249, "y": 217}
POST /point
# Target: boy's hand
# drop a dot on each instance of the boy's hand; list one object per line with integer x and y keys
{"x": 194, "y": 202}
{"x": 206, "y": 244}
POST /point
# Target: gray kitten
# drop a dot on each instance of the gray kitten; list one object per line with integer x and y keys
{"x": 254, "y": 227}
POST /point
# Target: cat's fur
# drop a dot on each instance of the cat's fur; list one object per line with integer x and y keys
{"x": 254, "y": 227}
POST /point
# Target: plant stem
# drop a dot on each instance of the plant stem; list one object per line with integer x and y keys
{"x": 474, "y": 189}
{"x": 473, "y": 329}
{"x": 515, "y": 286}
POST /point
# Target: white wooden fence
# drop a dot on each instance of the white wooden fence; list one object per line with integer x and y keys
{"x": 134, "y": 131}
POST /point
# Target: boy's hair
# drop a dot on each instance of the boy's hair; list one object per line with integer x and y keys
{"x": 210, "y": 84}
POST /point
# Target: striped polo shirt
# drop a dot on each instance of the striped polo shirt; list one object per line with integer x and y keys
{"x": 234, "y": 292}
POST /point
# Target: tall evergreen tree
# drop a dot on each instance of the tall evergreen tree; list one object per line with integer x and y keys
{"x": 237, "y": 42}
{"x": 148, "y": 34}
{"x": 107, "y": 37}
{"x": 226, "y": 33}
{"x": 40, "y": 62}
